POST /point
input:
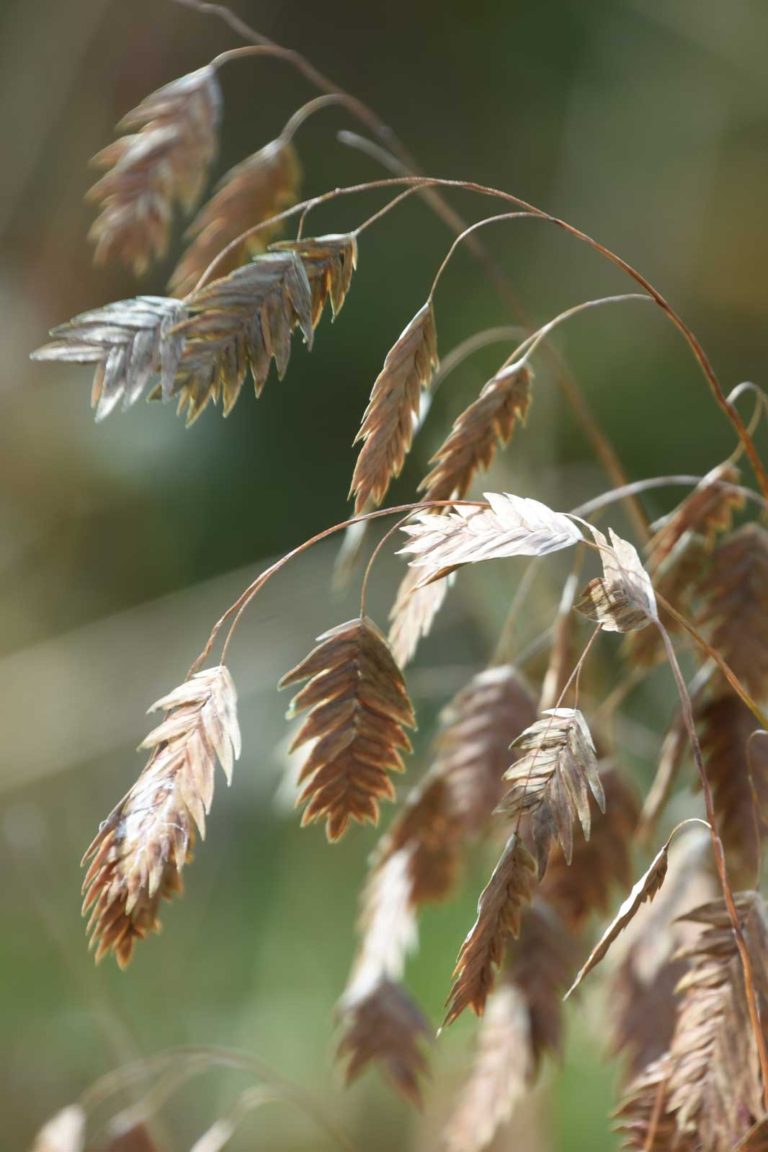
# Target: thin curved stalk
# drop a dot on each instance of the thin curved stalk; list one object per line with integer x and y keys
{"x": 392, "y": 147}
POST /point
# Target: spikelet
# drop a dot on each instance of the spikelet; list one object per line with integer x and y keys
{"x": 387, "y": 428}
{"x": 455, "y": 800}
{"x": 250, "y": 193}
{"x": 329, "y": 262}
{"x": 550, "y": 783}
{"x": 381, "y": 1023}
{"x": 584, "y": 887}
{"x": 413, "y": 613}
{"x": 237, "y": 325}
{"x": 472, "y": 748}
{"x": 358, "y": 709}
{"x": 164, "y": 163}
{"x": 139, "y": 851}
{"x": 522, "y": 1021}
{"x": 471, "y": 444}
{"x": 501, "y": 1072}
{"x": 644, "y": 890}
{"x": 384, "y": 1025}
{"x": 130, "y": 342}
{"x": 643, "y": 1117}
{"x": 64, "y": 1132}
{"x": 499, "y": 915}
{"x": 714, "y": 1081}
{"x": 736, "y": 764}
{"x": 642, "y": 988}
{"x": 707, "y": 511}
{"x": 675, "y": 580}
{"x": 429, "y": 833}
{"x": 678, "y": 552}
{"x": 735, "y": 611}
{"x": 622, "y": 599}
{"x": 509, "y": 526}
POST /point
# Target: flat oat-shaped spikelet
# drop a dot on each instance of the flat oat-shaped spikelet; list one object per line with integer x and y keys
{"x": 509, "y": 526}
{"x": 250, "y": 193}
{"x": 735, "y": 612}
{"x": 499, "y": 915}
{"x": 551, "y": 781}
{"x": 163, "y": 163}
{"x": 137, "y": 856}
{"x": 383, "y": 1025}
{"x": 130, "y": 343}
{"x": 329, "y": 262}
{"x": 387, "y": 428}
{"x": 583, "y": 886}
{"x": 736, "y": 763}
{"x": 471, "y": 445}
{"x": 472, "y": 747}
{"x": 413, "y": 613}
{"x": 239, "y": 324}
{"x": 358, "y": 709}
{"x": 523, "y": 1020}
{"x": 707, "y": 510}
{"x": 714, "y": 1089}
{"x": 622, "y": 599}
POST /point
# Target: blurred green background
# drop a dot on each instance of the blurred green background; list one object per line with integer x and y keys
{"x": 643, "y": 123}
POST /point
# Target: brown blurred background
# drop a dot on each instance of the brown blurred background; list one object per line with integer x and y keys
{"x": 643, "y": 123}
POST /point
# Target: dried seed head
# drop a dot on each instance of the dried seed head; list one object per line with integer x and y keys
{"x": 329, "y": 262}
{"x": 249, "y": 194}
{"x": 735, "y": 612}
{"x": 135, "y": 860}
{"x": 585, "y": 886}
{"x": 382, "y": 1024}
{"x": 522, "y": 1021}
{"x": 509, "y": 526}
{"x": 715, "y": 1092}
{"x": 736, "y": 763}
{"x": 645, "y": 889}
{"x": 550, "y": 783}
{"x": 413, "y": 613}
{"x": 238, "y": 324}
{"x": 499, "y": 915}
{"x": 471, "y": 445}
{"x": 358, "y": 709}
{"x": 622, "y": 600}
{"x": 706, "y": 511}
{"x": 130, "y": 343}
{"x": 388, "y": 422}
{"x": 642, "y": 988}
{"x": 150, "y": 171}
{"x": 472, "y": 745}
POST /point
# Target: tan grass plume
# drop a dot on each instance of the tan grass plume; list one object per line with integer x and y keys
{"x": 388, "y": 423}
{"x": 136, "y": 858}
{"x": 358, "y": 710}
{"x": 251, "y": 193}
{"x": 160, "y": 163}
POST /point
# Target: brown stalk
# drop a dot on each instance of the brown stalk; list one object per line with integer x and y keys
{"x": 696, "y": 348}
{"x": 601, "y": 444}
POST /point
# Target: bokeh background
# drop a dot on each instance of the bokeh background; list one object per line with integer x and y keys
{"x": 644, "y": 123}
